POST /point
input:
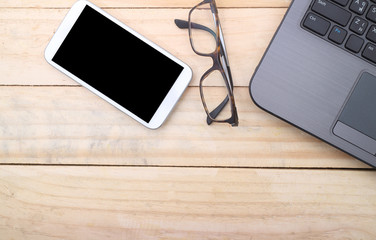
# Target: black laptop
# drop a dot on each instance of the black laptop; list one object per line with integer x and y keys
{"x": 319, "y": 73}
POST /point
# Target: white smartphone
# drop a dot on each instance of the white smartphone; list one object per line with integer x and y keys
{"x": 118, "y": 64}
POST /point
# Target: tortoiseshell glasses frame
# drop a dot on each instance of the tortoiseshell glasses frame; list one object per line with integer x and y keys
{"x": 220, "y": 63}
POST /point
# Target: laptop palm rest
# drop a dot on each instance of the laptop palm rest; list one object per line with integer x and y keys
{"x": 357, "y": 121}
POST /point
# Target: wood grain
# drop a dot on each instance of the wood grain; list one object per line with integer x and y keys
{"x": 70, "y": 125}
{"x": 25, "y": 33}
{"x": 185, "y": 203}
{"x": 142, "y": 3}
{"x": 263, "y": 180}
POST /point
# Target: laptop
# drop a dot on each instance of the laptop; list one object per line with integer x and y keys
{"x": 319, "y": 73}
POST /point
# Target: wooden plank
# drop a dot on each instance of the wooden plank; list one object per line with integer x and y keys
{"x": 142, "y": 3}
{"x": 70, "y": 125}
{"x": 24, "y": 34}
{"x": 185, "y": 203}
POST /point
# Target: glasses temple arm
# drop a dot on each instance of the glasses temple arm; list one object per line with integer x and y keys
{"x": 182, "y": 24}
{"x": 217, "y": 110}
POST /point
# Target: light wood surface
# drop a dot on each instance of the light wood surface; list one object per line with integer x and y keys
{"x": 70, "y": 125}
{"x": 185, "y": 203}
{"x": 143, "y": 3}
{"x": 74, "y": 167}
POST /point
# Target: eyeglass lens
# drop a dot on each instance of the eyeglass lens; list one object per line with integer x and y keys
{"x": 203, "y": 40}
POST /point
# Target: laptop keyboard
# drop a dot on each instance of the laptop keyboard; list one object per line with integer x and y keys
{"x": 349, "y": 24}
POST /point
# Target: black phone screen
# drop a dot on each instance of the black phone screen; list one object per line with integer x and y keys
{"x": 117, "y": 64}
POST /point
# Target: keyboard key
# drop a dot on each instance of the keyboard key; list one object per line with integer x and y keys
{"x": 316, "y": 24}
{"x": 337, "y": 34}
{"x": 371, "y": 15}
{"x": 371, "y": 35}
{"x": 332, "y": 11}
{"x": 349, "y": 24}
{"x": 370, "y": 52}
{"x": 341, "y": 2}
{"x": 358, "y": 25}
{"x": 354, "y": 43}
{"x": 359, "y": 6}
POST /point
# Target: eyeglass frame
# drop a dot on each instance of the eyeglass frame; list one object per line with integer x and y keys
{"x": 220, "y": 58}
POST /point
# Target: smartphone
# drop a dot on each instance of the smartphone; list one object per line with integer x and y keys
{"x": 118, "y": 64}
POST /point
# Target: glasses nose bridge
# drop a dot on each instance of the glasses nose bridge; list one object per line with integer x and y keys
{"x": 213, "y": 5}
{"x": 213, "y": 8}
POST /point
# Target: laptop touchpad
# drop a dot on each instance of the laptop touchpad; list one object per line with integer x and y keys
{"x": 357, "y": 121}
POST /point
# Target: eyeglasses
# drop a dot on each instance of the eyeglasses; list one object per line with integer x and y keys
{"x": 216, "y": 85}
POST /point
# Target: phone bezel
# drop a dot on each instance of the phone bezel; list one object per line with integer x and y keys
{"x": 171, "y": 98}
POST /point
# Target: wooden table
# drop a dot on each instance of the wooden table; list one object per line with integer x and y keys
{"x": 74, "y": 167}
